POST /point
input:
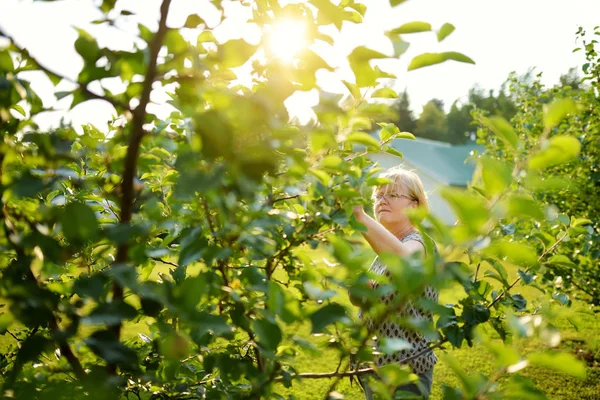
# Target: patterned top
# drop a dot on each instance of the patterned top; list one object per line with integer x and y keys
{"x": 388, "y": 328}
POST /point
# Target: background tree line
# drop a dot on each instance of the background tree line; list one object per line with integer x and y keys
{"x": 458, "y": 126}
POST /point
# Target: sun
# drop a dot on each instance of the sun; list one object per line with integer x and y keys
{"x": 286, "y": 38}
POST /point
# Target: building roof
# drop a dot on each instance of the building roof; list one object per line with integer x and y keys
{"x": 443, "y": 161}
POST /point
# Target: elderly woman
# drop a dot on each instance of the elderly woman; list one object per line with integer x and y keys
{"x": 392, "y": 232}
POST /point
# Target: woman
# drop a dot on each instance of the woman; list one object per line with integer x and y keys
{"x": 392, "y": 232}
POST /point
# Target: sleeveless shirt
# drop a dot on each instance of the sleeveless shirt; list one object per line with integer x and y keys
{"x": 390, "y": 329}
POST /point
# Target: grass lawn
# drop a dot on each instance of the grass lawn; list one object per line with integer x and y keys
{"x": 585, "y": 339}
{"x": 474, "y": 360}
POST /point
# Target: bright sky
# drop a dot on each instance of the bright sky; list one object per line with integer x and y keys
{"x": 500, "y": 35}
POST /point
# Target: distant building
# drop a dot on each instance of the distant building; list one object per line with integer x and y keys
{"x": 437, "y": 164}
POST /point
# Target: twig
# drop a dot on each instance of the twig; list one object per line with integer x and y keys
{"x": 164, "y": 261}
{"x": 14, "y": 337}
{"x": 208, "y": 218}
{"x": 476, "y": 272}
{"x": 285, "y": 198}
{"x": 328, "y": 375}
{"x": 527, "y": 270}
{"x": 137, "y": 134}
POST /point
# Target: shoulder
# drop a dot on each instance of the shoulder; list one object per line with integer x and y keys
{"x": 417, "y": 241}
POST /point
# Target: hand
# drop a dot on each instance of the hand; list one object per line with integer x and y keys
{"x": 358, "y": 212}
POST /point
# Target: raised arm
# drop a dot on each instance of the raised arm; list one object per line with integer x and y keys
{"x": 382, "y": 240}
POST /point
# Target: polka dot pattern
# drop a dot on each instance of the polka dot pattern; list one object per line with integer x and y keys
{"x": 389, "y": 328}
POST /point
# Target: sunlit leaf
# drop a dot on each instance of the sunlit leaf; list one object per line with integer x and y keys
{"x": 354, "y": 90}
{"x": 363, "y": 139}
{"x": 444, "y": 31}
{"x": 412, "y": 27}
{"x": 385, "y": 93}
{"x": 502, "y": 129}
{"x": 428, "y": 59}
{"x": 496, "y": 175}
{"x": 193, "y": 20}
{"x": 559, "y": 150}
{"x": 558, "y": 110}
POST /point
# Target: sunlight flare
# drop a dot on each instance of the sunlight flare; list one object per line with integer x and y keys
{"x": 286, "y": 39}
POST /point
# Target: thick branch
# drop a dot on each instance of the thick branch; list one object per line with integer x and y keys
{"x": 81, "y": 86}
{"x": 137, "y": 133}
{"x": 328, "y": 375}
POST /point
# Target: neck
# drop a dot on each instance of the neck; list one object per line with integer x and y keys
{"x": 402, "y": 231}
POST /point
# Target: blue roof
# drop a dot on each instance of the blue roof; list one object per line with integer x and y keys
{"x": 443, "y": 161}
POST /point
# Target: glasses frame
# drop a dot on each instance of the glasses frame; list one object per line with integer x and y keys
{"x": 379, "y": 197}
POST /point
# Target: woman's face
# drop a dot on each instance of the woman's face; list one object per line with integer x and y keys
{"x": 391, "y": 202}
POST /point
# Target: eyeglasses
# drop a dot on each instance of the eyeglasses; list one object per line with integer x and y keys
{"x": 390, "y": 197}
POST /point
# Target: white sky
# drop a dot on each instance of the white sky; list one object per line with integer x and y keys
{"x": 500, "y": 35}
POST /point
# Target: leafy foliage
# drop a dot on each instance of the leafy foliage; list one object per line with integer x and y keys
{"x": 230, "y": 195}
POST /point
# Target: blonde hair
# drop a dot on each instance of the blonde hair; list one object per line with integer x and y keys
{"x": 400, "y": 175}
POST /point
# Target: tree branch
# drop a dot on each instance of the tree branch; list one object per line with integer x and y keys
{"x": 164, "y": 261}
{"x": 548, "y": 250}
{"x": 137, "y": 134}
{"x": 328, "y": 375}
{"x": 81, "y": 86}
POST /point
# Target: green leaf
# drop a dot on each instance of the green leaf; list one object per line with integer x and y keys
{"x": 395, "y": 3}
{"x": 502, "y": 129}
{"x": 444, "y": 31}
{"x": 516, "y": 253}
{"x": 91, "y": 286}
{"x": 525, "y": 277}
{"x": 388, "y": 131}
{"x": 393, "y": 345}
{"x": 269, "y": 333}
{"x": 193, "y": 20}
{"x": 428, "y": 59}
{"x": 206, "y": 36}
{"x": 385, "y": 93}
{"x": 321, "y": 175}
{"x": 559, "y": 150}
{"x": 107, "y": 5}
{"x": 112, "y": 313}
{"x": 406, "y": 135}
{"x": 412, "y": 27}
{"x": 496, "y": 175}
{"x": 393, "y": 151}
{"x": 561, "y": 259}
{"x": 87, "y": 47}
{"x": 79, "y": 223}
{"x": 6, "y": 62}
{"x": 359, "y": 60}
{"x": 558, "y": 110}
{"x": 580, "y": 222}
{"x": 364, "y": 139}
{"x": 235, "y": 53}
{"x": 329, "y": 314}
{"x": 400, "y": 46}
{"x": 19, "y": 109}
{"x": 524, "y": 206}
{"x": 562, "y": 362}
{"x": 354, "y": 90}
{"x": 104, "y": 344}
{"x": 476, "y": 314}
{"x": 469, "y": 209}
